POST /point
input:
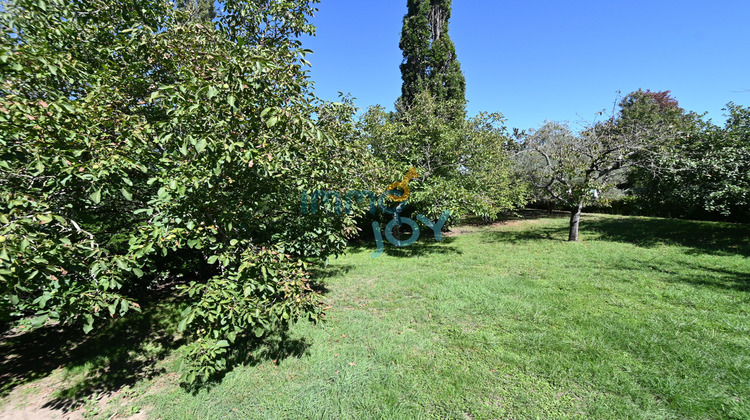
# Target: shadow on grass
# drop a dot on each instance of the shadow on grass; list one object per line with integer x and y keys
{"x": 714, "y": 238}
{"x": 719, "y": 278}
{"x": 118, "y": 353}
{"x": 530, "y": 233}
{"x": 251, "y": 351}
{"x": 678, "y": 271}
{"x": 322, "y": 273}
{"x": 700, "y": 237}
{"x": 424, "y": 246}
{"x": 697, "y": 237}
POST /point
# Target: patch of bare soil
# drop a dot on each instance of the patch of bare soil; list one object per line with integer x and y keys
{"x": 37, "y": 401}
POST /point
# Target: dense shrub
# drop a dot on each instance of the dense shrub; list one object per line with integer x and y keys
{"x": 463, "y": 165}
{"x": 140, "y": 147}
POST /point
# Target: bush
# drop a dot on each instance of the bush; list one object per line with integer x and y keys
{"x": 462, "y": 165}
{"x": 141, "y": 148}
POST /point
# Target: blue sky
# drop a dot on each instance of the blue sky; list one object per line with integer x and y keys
{"x": 556, "y": 60}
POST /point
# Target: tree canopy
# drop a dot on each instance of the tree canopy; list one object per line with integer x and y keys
{"x": 430, "y": 62}
{"x": 142, "y": 148}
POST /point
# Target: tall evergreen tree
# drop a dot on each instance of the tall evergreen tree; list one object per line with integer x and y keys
{"x": 200, "y": 10}
{"x": 429, "y": 57}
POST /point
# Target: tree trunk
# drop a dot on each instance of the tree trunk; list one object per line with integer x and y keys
{"x": 575, "y": 218}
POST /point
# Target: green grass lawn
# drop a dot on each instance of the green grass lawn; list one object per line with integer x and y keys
{"x": 644, "y": 318}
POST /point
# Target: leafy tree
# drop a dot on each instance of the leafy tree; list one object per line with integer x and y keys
{"x": 653, "y": 184}
{"x": 722, "y": 165}
{"x": 430, "y": 62}
{"x": 141, "y": 147}
{"x": 703, "y": 172}
{"x": 202, "y": 11}
{"x": 580, "y": 169}
{"x": 462, "y": 165}
{"x": 709, "y": 176}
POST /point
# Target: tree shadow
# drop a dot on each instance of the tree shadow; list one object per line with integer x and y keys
{"x": 249, "y": 350}
{"x": 319, "y": 275}
{"x": 700, "y": 237}
{"x": 424, "y": 246}
{"x": 717, "y": 278}
{"x": 533, "y": 233}
{"x": 697, "y": 237}
{"x": 675, "y": 271}
{"x": 117, "y": 353}
{"x": 715, "y": 238}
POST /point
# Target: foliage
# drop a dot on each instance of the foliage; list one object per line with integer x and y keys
{"x": 722, "y": 164}
{"x": 579, "y": 169}
{"x": 141, "y": 147}
{"x": 462, "y": 165}
{"x": 202, "y": 11}
{"x": 430, "y": 62}
{"x": 704, "y": 174}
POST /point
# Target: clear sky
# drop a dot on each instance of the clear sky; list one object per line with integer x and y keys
{"x": 557, "y": 60}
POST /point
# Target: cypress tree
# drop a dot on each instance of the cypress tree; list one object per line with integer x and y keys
{"x": 201, "y": 10}
{"x": 430, "y": 62}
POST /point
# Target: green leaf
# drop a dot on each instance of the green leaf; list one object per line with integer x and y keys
{"x": 230, "y": 100}
{"x": 39, "y": 321}
{"x": 44, "y": 218}
{"x": 212, "y": 91}
{"x": 89, "y": 325}
{"x": 200, "y": 146}
{"x": 96, "y": 196}
{"x": 271, "y": 121}
{"x": 126, "y": 194}
{"x": 124, "y": 306}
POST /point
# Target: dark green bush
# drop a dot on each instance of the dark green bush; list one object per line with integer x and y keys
{"x": 140, "y": 148}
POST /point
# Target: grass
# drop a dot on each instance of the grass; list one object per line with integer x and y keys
{"x": 645, "y": 318}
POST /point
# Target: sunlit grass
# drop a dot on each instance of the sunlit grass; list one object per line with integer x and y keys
{"x": 644, "y": 318}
